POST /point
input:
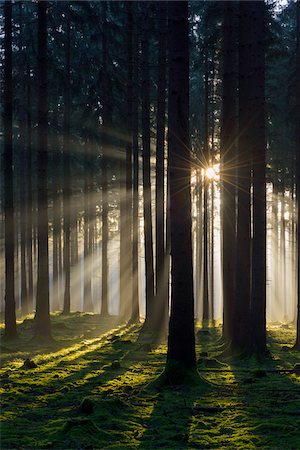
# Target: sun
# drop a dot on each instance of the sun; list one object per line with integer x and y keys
{"x": 210, "y": 173}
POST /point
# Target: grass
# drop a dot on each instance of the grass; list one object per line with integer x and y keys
{"x": 92, "y": 388}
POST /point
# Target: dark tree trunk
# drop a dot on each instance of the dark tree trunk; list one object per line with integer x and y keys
{"x": 149, "y": 270}
{"x": 29, "y": 223}
{"x": 298, "y": 170}
{"x": 205, "y": 315}
{"x": 243, "y": 267}
{"x": 105, "y": 142}
{"x": 22, "y": 153}
{"x": 87, "y": 282}
{"x": 181, "y": 340}
{"x": 56, "y": 211}
{"x": 161, "y": 301}
{"x": 258, "y": 280}
{"x": 228, "y": 160}
{"x": 9, "y": 225}
{"x": 129, "y": 88}
{"x": 67, "y": 171}
{"x": 42, "y": 315}
{"x": 135, "y": 314}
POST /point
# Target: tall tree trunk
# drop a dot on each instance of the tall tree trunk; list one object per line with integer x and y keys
{"x": 227, "y": 170}
{"x": 243, "y": 267}
{"x": 67, "y": 170}
{"x": 29, "y": 223}
{"x": 258, "y": 279}
{"x": 149, "y": 270}
{"x": 205, "y": 315}
{"x": 161, "y": 301}
{"x": 9, "y": 225}
{"x": 87, "y": 291}
{"x": 129, "y": 143}
{"x": 135, "y": 314}
{"x": 105, "y": 142}
{"x": 181, "y": 340}
{"x": 297, "y": 344}
{"x": 42, "y": 315}
{"x": 56, "y": 210}
{"x": 22, "y": 153}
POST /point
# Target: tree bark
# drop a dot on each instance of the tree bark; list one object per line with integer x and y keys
{"x": 9, "y": 225}
{"x": 161, "y": 301}
{"x": 42, "y": 315}
{"x": 227, "y": 170}
{"x": 149, "y": 270}
{"x": 135, "y": 314}
{"x": 67, "y": 170}
{"x": 258, "y": 342}
{"x": 297, "y": 344}
{"x": 181, "y": 340}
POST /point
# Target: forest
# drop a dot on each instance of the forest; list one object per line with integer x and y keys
{"x": 149, "y": 224}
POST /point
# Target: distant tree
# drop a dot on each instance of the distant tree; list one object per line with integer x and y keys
{"x": 22, "y": 155}
{"x": 181, "y": 340}
{"x": 9, "y": 225}
{"x": 67, "y": 168}
{"x": 107, "y": 119}
{"x": 42, "y": 315}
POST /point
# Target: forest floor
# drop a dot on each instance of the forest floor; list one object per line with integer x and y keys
{"x": 90, "y": 390}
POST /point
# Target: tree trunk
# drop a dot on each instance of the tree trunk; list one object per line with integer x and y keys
{"x": 22, "y": 153}
{"x": 161, "y": 302}
{"x": 67, "y": 170}
{"x": 258, "y": 280}
{"x": 87, "y": 291}
{"x": 205, "y": 315}
{"x": 29, "y": 223}
{"x": 243, "y": 267}
{"x": 105, "y": 143}
{"x": 181, "y": 340}
{"x": 42, "y": 315}
{"x": 227, "y": 170}
{"x": 56, "y": 210}
{"x": 135, "y": 314}
{"x": 9, "y": 225}
{"x": 129, "y": 89}
{"x": 149, "y": 271}
{"x": 297, "y": 344}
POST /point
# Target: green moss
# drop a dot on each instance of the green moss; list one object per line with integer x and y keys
{"x": 89, "y": 391}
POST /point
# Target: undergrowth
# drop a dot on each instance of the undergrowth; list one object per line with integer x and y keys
{"x": 93, "y": 387}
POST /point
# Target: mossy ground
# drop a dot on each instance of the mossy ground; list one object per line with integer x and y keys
{"x": 92, "y": 388}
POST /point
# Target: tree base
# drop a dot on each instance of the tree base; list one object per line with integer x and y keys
{"x": 176, "y": 374}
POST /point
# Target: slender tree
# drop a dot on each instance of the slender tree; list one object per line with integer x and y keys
{"x": 228, "y": 160}
{"x": 129, "y": 136}
{"x": 9, "y": 225}
{"x": 243, "y": 266}
{"x": 161, "y": 301}
{"x": 149, "y": 270}
{"x": 135, "y": 315}
{"x": 67, "y": 169}
{"x": 105, "y": 142}
{"x": 181, "y": 340}
{"x": 297, "y": 344}
{"x": 258, "y": 279}
{"x": 22, "y": 153}
{"x": 29, "y": 213}
{"x": 42, "y": 315}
